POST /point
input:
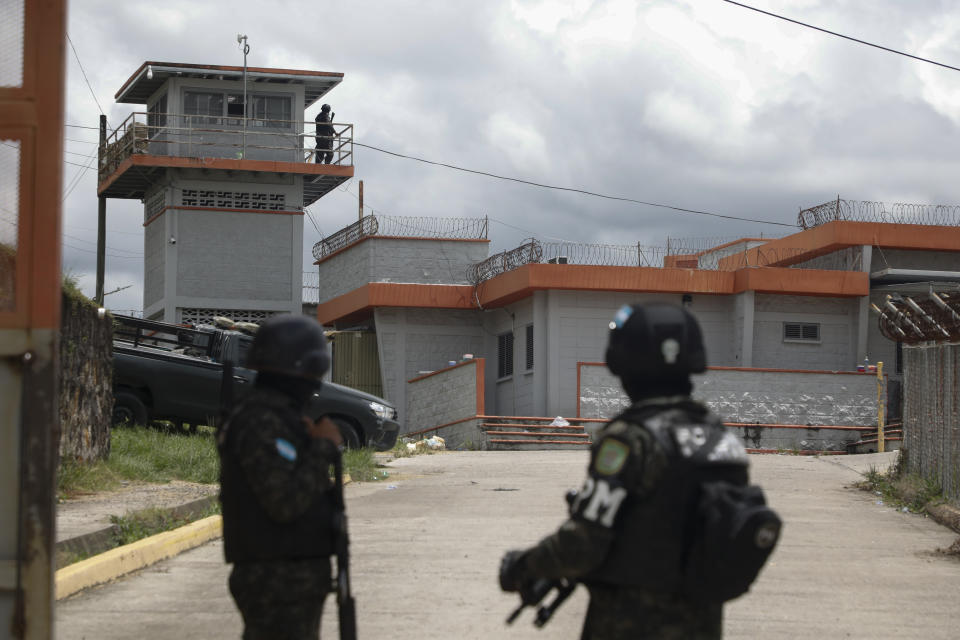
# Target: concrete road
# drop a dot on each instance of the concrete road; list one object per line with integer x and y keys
{"x": 427, "y": 542}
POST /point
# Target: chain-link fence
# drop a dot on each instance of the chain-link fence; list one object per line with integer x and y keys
{"x": 931, "y": 413}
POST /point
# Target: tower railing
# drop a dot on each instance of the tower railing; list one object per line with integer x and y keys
{"x": 203, "y": 136}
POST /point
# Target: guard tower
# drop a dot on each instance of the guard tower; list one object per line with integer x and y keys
{"x": 224, "y": 164}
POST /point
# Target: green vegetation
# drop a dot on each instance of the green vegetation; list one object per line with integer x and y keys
{"x": 143, "y": 524}
{"x": 144, "y": 455}
{"x": 902, "y": 489}
{"x": 361, "y": 466}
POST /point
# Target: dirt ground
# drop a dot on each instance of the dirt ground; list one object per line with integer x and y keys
{"x": 91, "y": 512}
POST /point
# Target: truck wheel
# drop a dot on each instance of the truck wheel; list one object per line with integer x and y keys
{"x": 348, "y": 432}
{"x": 128, "y": 409}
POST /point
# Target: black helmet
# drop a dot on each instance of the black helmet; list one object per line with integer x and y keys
{"x": 325, "y": 107}
{"x": 655, "y": 341}
{"x": 290, "y": 345}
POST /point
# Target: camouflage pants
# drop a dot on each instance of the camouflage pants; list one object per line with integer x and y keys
{"x": 616, "y": 614}
{"x": 281, "y": 600}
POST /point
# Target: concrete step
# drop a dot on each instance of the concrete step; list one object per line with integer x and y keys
{"x": 532, "y": 444}
{"x": 536, "y": 436}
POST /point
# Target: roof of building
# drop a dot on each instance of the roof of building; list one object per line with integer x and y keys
{"x": 151, "y": 75}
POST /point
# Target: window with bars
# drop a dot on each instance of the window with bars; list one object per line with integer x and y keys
{"x": 529, "y": 347}
{"x": 505, "y": 355}
{"x": 801, "y": 332}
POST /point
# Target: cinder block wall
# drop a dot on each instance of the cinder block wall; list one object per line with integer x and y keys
{"x": 389, "y": 259}
{"x": 445, "y": 396}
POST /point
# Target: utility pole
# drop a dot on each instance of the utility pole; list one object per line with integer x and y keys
{"x": 101, "y": 221}
{"x": 246, "y": 50}
{"x": 360, "y": 211}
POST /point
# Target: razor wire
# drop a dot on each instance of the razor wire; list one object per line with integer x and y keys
{"x": 869, "y": 211}
{"x": 402, "y": 226}
{"x": 527, "y": 253}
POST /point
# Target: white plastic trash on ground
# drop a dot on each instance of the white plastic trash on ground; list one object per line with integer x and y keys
{"x": 434, "y": 443}
{"x": 559, "y": 421}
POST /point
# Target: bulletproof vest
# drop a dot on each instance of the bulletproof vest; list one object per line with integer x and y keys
{"x": 249, "y": 534}
{"x": 652, "y": 530}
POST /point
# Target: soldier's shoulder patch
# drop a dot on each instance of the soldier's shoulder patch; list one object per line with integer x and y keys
{"x": 611, "y": 456}
{"x": 286, "y": 450}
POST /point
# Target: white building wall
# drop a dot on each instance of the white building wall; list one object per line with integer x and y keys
{"x": 837, "y": 318}
{"x": 411, "y": 341}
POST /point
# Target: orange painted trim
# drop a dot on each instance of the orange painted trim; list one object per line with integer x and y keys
{"x": 33, "y": 113}
{"x": 828, "y": 427}
{"x": 395, "y": 294}
{"x": 440, "y": 426}
{"x": 540, "y": 418}
{"x": 481, "y": 385}
{"x": 224, "y": 209}
{"x": 224, "y": 164}
{"x": 842, "y": 234}
{"x": 378, "y": 237}
{"x": 796, "y": 452}
{"x": 802, "y": 282}
{"x": 762, "y": 370}
{"x": 443, "y": 370}
{"x": 205, "y": 67}
{"x": 523, "y": 281}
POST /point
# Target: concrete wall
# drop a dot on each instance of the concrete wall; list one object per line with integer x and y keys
{"x": 761, "y": 397}
{"x": 836, "y": 349}
{"x": 754, "y": 395}
{"x": 447, "y": 395}
{"x": 411, "y": 341}
{"x": 849, "y": 259}
{"x": 511, "y": 395}
{"x": 230, "y": 260}
{"x": 419, "y": 260}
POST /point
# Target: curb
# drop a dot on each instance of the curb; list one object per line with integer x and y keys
{"x": 137, "y": 555}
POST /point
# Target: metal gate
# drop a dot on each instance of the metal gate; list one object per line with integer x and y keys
{"x": 356, "y": 362}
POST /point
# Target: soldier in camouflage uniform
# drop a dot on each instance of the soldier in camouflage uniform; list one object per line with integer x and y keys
{"x": 624, "y": 538}
{"x": 275, "y": 486}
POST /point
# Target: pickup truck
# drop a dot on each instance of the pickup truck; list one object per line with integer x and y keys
{"x": 174, "y": 372}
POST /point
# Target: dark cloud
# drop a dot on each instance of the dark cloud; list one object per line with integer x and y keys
{"x": 699, "y": 105}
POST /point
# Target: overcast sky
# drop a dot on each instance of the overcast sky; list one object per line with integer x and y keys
{"x": 693, "y": 103}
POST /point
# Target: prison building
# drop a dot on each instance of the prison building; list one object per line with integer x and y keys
{"x": 224, "y": 164}
{"x": 418, "y": 296}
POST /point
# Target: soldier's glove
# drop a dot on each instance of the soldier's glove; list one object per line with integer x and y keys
{"x": 513, "y": 571}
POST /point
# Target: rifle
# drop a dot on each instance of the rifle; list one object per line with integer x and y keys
{"x": 537, "y": 591}
{"x": 341, "y": 581}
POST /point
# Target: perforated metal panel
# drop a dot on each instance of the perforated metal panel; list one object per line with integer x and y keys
{"x": 9, "y": 220}
{"x": 11, "y": 43}
{"x": 195, "y": 315}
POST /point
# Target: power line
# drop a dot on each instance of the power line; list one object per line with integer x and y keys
{"x": 83, "y": 141}
{"x": 83, "y": 71}
{"x": 571, "y": 189}
{"x": 840, "y": 35}
{"x": 80, "y": 126}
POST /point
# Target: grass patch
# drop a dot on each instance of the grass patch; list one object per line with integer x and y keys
{"x": 901, "y": 489}
{"x": 143, "y": 524}
{"x": 361, "y": 465}
{"x": 144, "y": 455}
